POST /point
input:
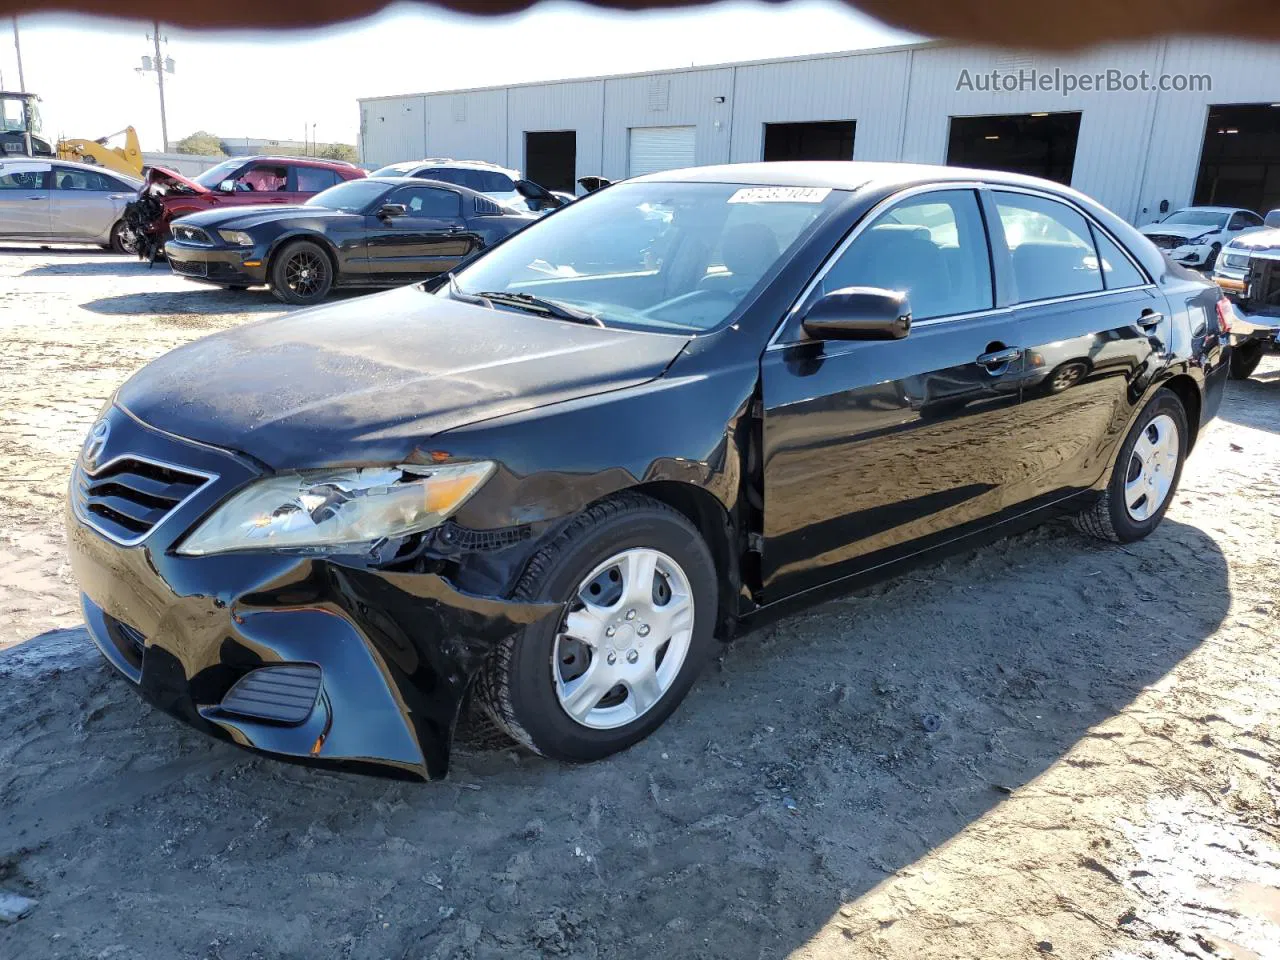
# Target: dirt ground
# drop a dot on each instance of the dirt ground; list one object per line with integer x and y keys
{"x": 1051, "y": 746}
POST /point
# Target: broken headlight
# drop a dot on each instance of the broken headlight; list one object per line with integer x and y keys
{"x": 318, "y": 511}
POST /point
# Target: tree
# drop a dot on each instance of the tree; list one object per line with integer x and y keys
{"x": 338, "y": 151}
{"x": 200, "y": 142}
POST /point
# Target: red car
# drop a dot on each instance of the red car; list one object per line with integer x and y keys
{"x": 240, "y": 181}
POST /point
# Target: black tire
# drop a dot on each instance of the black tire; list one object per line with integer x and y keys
{"x": 1065, "y": 376}
{"x": 1108, "y": 518}
{"x": 1213, "y": 256}
{"x": 301, "y": 273}
{"x": 1245, "y": 359}
{"x": 121, "y": 240}
{"x": 516, "y": 687}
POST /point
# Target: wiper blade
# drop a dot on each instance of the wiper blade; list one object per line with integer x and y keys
{"x": 561, "y": 311}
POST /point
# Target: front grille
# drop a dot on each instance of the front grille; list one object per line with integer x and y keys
{"x": 190, "y": 234}
{"x": 1166, "y": 242}
{"x": 127, "y": 497}
{"x": 190, "y": 268}
{"x": 283, "y": 694}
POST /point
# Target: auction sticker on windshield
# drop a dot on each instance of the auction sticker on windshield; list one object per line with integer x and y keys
{"x": 780, "y": 195}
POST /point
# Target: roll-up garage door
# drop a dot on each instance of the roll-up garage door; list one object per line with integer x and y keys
{"x": 659, "y": 148}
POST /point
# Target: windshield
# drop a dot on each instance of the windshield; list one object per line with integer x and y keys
{"x": 223, "y": 171}
{"x": 1197, "y": 218}
{"x": 349, "y": 197}
{"x": 653, "y": 256}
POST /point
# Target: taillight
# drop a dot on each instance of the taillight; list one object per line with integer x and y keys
{"x": 1224, "y": 315}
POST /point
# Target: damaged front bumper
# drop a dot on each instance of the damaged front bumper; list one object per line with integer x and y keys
{"x": 320, "y": 660}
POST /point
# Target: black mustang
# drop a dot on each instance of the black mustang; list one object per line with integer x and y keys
{"x": 551, "y": 479}
{"x": 374, "y": 232}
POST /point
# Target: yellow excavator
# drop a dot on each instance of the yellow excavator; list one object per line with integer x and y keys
{"x": 20, "y": 136}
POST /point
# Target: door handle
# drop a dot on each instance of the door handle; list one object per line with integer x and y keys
{"x": 1149, "y": 319}
{"x": 998, "y": 358}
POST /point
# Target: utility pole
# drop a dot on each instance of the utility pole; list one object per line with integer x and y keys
{"x": 159, "y": 64}
{"x": 17, "y": 46}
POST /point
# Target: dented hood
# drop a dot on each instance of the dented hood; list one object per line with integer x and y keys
{"x": 371, "y": 379}
{"x": 169, "y": 179}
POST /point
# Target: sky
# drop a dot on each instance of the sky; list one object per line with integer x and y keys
{"x": 271, "y": 84}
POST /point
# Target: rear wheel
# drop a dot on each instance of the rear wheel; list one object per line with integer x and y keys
{"x": 1245, "y": 359}
{"x": 301, "y": 273}
{"x": 640, "y": 586}
{"x": 1145, "y": 475}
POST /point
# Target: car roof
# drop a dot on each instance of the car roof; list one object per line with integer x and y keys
{"x": 303, "y": 161}
{"x": 419, "y": 181}
{"x": 73, "y": 164}
{"x": 447, "y": 162}
{"x": 1200, "y": 206}
{"x": 844, "y": 175}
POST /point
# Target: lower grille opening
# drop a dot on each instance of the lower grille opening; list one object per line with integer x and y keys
{"x": 280, "y": 694}
{"x": 130, "y": 641}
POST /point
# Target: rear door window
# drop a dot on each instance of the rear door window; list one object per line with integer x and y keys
{"x": 1050, "y": 247}
{"x": 932, "y": 247}
{"x": 1118, "y": 270}
{"x": 315, "y": 179}
{"x": 25, "y": 180}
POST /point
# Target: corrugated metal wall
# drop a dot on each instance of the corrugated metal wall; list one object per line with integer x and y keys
{"x": 1134, "y": 150}
{"x": 687, "y": 98}
{"x": 558, "y": 106}
{"x": 868, "y": 89}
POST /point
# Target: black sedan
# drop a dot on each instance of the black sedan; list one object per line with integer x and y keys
{"x": 553, "y": 479}
{"x": 374, "y": 232}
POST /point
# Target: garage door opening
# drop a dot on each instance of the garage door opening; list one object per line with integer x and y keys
{"x": 654, "y": 149}
{"x": 1038, "y": 144}
{"x": 551, "y": 158}
{"x": 821, "y": 140}
{"x": 1240, "y": 159}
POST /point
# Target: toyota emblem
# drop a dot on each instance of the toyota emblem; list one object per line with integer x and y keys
{"x": 94, "y": 444}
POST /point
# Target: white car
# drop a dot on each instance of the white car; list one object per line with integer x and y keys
{"x": 1232, "y": 269}
{"x": 64, "y": 202}
{"x": 1194, "y": 236}
{"x": 501, "y": 184}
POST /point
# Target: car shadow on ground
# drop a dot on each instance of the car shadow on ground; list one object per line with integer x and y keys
{"x": 200, "y": 300}
{"x": 1254, "y": 402}
{"x": 108, "y": 265}
{"x": 813, "y": 759}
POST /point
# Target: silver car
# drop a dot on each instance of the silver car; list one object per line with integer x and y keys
{"x": 64, "y": 202}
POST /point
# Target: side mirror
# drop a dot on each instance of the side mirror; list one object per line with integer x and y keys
{"x": 859, "y": 313}
{"x": 227, "y": 186}
{"x": 389, "y": 210}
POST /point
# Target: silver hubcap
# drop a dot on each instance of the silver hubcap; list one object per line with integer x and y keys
{"x": 624, "y": 639}
{"x": 1151, "y": 468}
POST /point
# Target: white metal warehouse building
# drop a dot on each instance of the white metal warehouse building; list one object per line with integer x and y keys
{"x": 1215, "y": 139}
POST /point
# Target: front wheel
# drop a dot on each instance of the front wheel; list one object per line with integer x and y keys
{"x": 301, "y": 273}
{"x": 123, "y": 239}
{"x": 639, "y": 585}
{"x": 1212, "y": 259}
{"x": 1245, "y": 359}
{"x": 1145, "y": 476}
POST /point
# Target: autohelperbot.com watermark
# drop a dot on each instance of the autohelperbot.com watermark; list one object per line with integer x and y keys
{"x": 1066, "y": 82}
